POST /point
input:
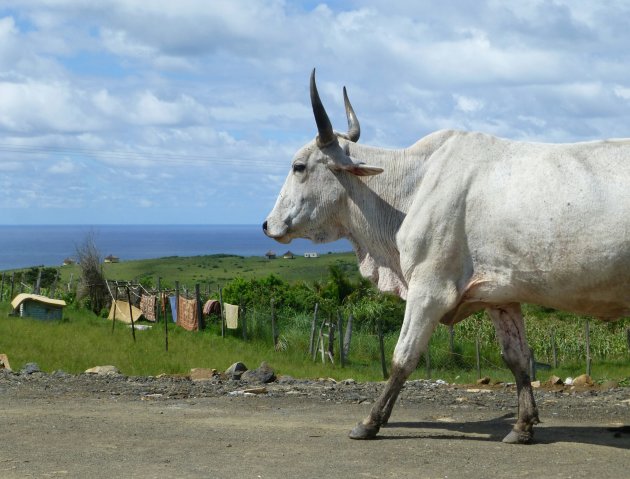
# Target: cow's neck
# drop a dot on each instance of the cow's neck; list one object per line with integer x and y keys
{"x": 377, "y": 207}
{"x": 379, "y": 204}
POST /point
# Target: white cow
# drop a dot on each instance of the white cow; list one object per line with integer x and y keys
{"x": 461, "y": 222}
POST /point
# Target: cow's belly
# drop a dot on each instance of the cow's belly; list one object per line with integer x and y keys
{"x": 603, "y": 296}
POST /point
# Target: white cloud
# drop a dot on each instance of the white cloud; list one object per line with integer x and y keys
{"x": 177, "y": 96}
{"x": 36, "y": 105}
{"x": 467, "y": 104}
{"x": 622, "y": 92}
{"x": 63, "y": 167}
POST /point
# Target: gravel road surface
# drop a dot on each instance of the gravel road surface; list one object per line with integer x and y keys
{"x": 93, "y": 426}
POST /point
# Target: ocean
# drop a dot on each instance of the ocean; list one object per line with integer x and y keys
{"x": 49, "y": 245}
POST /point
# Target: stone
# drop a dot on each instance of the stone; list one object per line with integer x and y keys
{"x": 4, "y": 362}
{"x": 248, "y": 392}
{"x": 30, "y": 368}
{"x": 103, "y": 370}
{"x": 202, "y": 374}
{"x": 235, "y": 371}
{"x": 536, "y": 384}
{"x": 483, "y": 380}
{"x": 583, "y": 380}
{"x": 555, "y": 381}
{"x": 263, "y": 374}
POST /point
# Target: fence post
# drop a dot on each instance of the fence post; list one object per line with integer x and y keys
{"x": 348, "y": 337}
{"x": 340, "y": 332}
{"x": 222, "y": 314}
{"x": 53, "y": 288}
{"x": 588, "y": 347}
{"x": 628, "y": 338}
{"x": 554, "y": 349}
{"x": 313, "y": 326}
{"x": 12, "y": 285}
{"x": 319, "y": 339}
{"x": 133, "y": 327}
{"x": 532, "y": 365}
{"x": 331, "y": 339}
{"x": 200, "y": 321}
{"x": 244, "y": 320}
{"x": 427, "y": 359}
{"x": 478, "y": 357}
{"x": 176, "y": 301}
{"x": 164, "y": 305}
{"x": 38, "y": 282}
{"x": 115, "y": 306}
{"x": 2, "y": 288}
{"x": 382, "y": 350}
{"x": 274, "y": 333}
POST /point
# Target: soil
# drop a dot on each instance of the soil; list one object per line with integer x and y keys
{"x": 93, "y": 426}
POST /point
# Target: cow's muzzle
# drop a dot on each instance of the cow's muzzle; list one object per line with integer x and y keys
{"x": 278, "y": 234}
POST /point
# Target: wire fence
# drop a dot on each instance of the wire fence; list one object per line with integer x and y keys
{"x": 557, "y": 340}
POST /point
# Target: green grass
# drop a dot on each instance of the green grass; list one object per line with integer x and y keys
{"x": 83, "y": 340}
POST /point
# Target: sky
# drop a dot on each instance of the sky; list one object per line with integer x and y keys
{"x": 190, "y": 111}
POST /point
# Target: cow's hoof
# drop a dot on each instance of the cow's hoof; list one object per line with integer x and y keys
{"x": 519, "y": 437}
{"x": 361, "y": 431}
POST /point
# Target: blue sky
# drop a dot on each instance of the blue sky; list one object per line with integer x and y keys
{"x": 129, "y": 111}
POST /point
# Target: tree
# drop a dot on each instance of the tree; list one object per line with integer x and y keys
{"x": 93, "y": 287}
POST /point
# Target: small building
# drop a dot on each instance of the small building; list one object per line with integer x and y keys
{"x": 38, "y": 307}
{"x": 270, "y": 254}
{"x": 112, "y": 259}
{"x": 288, "y": 255}
{"x": 311, "y": 255}
{"x": 68, "y": 262}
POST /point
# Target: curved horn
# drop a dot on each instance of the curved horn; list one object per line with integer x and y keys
{"x": 354, "y": 129}
{"x": 326, "y": 134}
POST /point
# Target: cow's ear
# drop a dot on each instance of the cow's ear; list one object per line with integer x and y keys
{"x": 361, "y": 169}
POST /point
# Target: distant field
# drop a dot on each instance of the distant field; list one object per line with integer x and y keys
{"x": 217, "y": 270}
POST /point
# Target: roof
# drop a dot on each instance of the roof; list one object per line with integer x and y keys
{"x": 20, "y": 298}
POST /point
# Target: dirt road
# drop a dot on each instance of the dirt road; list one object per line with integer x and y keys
{"x": 92, "y": 428}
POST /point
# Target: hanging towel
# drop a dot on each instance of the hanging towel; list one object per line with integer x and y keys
{"x": 121, "y": 309}
{"x": 147, "y": 306}
{"x": 188, "y": 318}
{"x": 173, "y": 301}
{"x": 212, "y": 306}
{"x": 231, "y": 315}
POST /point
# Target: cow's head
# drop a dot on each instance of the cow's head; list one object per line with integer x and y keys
{"x": 312, "y": 197}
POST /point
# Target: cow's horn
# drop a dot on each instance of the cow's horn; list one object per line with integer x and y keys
{"x": 326, "y": 135}
{"x": 354, "y": 129}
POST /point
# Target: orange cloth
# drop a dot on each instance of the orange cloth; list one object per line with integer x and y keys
{"x": 187, "y": 316}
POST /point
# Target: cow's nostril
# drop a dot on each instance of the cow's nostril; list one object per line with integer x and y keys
{"x": 265, "y": 226}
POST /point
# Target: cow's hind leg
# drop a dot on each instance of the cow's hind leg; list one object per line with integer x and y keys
{"x": 510, "y": 328}
{"x": 421, "y": 317}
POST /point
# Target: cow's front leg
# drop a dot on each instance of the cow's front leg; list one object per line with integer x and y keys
{"x": 421, "y": 317}
{"x": 510, "y": 328}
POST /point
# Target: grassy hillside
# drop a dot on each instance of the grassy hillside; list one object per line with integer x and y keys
{"x": 216, "y": 270}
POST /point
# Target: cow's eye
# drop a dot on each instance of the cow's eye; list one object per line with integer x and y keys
{"x": 299, "y": 168}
